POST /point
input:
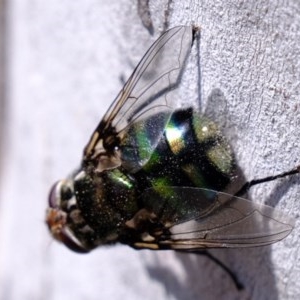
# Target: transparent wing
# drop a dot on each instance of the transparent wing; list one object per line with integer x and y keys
{"x": 196, "y": 218}
{"x": 147, "y": 92}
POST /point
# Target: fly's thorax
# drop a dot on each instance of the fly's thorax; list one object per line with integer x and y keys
{"x": 94, "y": 208}
{"x": 106, "y": 198}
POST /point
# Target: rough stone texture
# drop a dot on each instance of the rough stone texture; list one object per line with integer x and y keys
{"x": 67, "y": 60}
{"x": 2, "y": 73}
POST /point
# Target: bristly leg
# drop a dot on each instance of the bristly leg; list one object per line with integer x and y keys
{"x": 233, "y": 277}
{"x": 245, "y": 188}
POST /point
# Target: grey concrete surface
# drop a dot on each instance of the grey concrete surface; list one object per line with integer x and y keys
{"x": 2, "y": 74}
{"x": 66, "y": 64}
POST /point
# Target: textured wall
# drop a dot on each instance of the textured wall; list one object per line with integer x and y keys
{"x": 2, "y": 73}
{"x": 67, "y": 60}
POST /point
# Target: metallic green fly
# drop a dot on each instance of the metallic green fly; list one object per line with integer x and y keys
{"x": 157, "y": 177}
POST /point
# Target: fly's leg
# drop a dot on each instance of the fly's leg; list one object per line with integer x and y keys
{"x": 233, "y": 277}
{"x": 245, "y": 188}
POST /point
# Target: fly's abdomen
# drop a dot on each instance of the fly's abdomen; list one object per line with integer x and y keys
{"x": 191, "y": 152}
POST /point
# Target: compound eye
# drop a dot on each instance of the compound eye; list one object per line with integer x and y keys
{"x": 66, "y": 193}
{"x": 53, "y": 200}
{"x": 60, "y": 194}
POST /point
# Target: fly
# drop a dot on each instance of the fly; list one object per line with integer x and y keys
{"x": 157, "y": 177}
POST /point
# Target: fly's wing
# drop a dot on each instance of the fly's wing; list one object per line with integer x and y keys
{"x": 195, "y": 218}
{"x": 146, "y": 93}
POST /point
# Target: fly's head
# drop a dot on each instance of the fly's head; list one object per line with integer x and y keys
{"x": 63, "y": 214}
{"x": 88, "y": 210}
